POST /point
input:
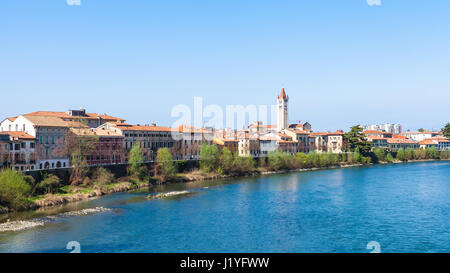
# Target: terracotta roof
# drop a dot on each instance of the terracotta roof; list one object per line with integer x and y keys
{"x": 94, "y": 132}
{"x": 18, "y": 135}
{"x": 146, "y": 128}
{"x": 399, "y": 136}
{"x": 376, "y": 137}
{"x": 400, "y": 141}
{"x": 64, "y": 115}
{"x": 298, "y": 131}
{"x": 314, "y": 134}
{"x": 428, "y": 142}
{"x": 283, "y": 95}
{"x": 374, "y": 132}
{"x": 47, "y": 121}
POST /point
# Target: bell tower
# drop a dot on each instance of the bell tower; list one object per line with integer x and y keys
{"x": 283, "y": 115}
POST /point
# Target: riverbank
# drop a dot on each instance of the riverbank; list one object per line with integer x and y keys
{"x": 77, "y": 194}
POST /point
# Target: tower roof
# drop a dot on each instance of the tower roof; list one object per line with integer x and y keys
{"x": 283, "y": 95}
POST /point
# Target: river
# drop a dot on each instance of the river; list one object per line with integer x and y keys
{"x": 402, "y": 207}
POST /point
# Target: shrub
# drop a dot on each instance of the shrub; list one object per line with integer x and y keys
{"x": 49, "y": 184}
{"x": 102, "y": 177}
{"x": 13, "y": 190}
{"x": 209, "y": 157}
{"x": 401, "y": 155}
{"x": 166, "y": 166}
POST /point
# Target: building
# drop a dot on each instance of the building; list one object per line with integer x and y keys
{"x": 378, "y": 142}
{"x": 302, "y": 138}
{"x": 230, "y": 144}
{"x": 419, "y": 136}
{"x": 440, "y": 143}
{"x": 388, "y": 127}
{"x": 5, "y": 145}
{"x": 394, "y": 144}
{"x": 378, "y": 133}
{"x": 286, "y": 144}
{"x": 283, "y": 111}
{"x": 331, "y": 142}
{"x": 189, "y": 140}
{"x": 106, "y": 146}
{"x": 248, "y": 145}
{"x": 150, "y": 138}
{"x": 18, "y": 150}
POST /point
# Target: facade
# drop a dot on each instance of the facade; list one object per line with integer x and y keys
{"x": 106, "y": 146}
{"x": 419, "y": 136}
{"x": 283, "y": 111}
{"x": 150, "y": 138}
{"x": 248, "y": 145}
{"x": 378, "y": 142}
{"x": 387, "y": 127}
{"x": 394, "y": 144}
{"x": 286, "y": 144}
{"x": 189, "y": 140}
{"x": 378, "y": 133}
{"x": 230, "y": 144}
{"x": 331, "y": 142}
{"x": 440, "y": 143}
{"x": 302, "y": 138}
{"x": 18, "y": 150}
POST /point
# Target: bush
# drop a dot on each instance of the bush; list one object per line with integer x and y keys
{"x": 13, "y": 190}
{"x": 166, "y": 166}
{"x": 209, "y": 157}
{"x": 401, "y": 155}
{"x": 102, "y": 177}
{"x": 380, "y": 154}
{"x": 49, "y": 184}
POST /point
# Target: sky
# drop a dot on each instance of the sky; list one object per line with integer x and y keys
{"x": 342, "y": 62}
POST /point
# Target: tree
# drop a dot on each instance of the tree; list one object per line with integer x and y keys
{"x": 421, "y": 130}
{"x": 446, "y": 130}
{"x": 380, "y": 154}
{"x": 135, "y": 161}
{"x": 356, "y": 139}
{"x": 389, "y": 157}
{"x": 431, "y": 153}
{"x": 209, "y": 155}
{"x": 226, "y": 161}
{"x": 166, "y": 166}
{"x": 409, "y": 154}
{"x": 401, "y": 155}
{"x": 102, "y": 177}
{"x": 49, "y": 184}
{"x": 13, "y": 190}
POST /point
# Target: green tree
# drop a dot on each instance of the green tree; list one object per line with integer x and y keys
{"x": 401, "y": 155}
{"x": 49, "y": 184}
{"x": 431, "y": 153}
{"x": 380, "y": 154}
{"x": 136, "y": 161}
{"x": 421, "y": 130}
{"x": 13, "y": 190}
{"x": 102, "y": 177}
{"x": 409, "y": 154}
{"x": 355, "y": 139}
{"x": 226, "y": 161}
{"x": 209, "y": 157}
{"x": 446, "y": 130}
{"x": 389, "y": 157}
{"x": 166, "y": 166}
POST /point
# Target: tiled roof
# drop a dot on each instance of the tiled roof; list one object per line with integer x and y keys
{"x": 428, "y": 142}
{"x": 94, "y": 132}
{"x": 145, "y": 128}
{"x": 47, "y": 121}
{"x": 64, "y": 115}
{"x": 400, "y": 141}
{"x": 298, "y": 131}
{"x": 18, "y": 135}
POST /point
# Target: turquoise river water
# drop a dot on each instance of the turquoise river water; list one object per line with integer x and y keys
{"x": 403, "y": 207}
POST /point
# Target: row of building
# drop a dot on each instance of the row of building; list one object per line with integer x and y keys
{"x": 42, "y": 140}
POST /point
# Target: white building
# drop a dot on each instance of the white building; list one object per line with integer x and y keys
{"x": 387, "y": 127}
{"x": 419, "y": 136}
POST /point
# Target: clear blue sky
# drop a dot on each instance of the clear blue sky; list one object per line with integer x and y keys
{"x": 342, "y": 62}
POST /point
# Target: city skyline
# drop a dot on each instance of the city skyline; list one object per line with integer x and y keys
{"x": 360, "y": 65}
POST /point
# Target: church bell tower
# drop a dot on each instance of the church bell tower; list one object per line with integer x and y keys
{"x": 283, "y": 116}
